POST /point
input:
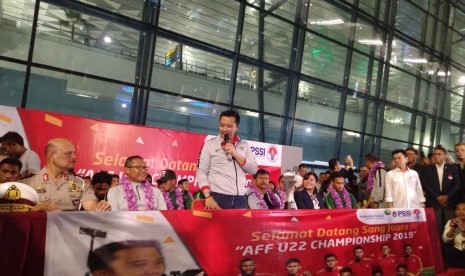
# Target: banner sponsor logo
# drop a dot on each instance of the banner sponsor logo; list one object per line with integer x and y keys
{"x": 395, "y": 215}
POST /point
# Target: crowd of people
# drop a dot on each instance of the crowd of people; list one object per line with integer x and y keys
{"x": 223, "y": 165}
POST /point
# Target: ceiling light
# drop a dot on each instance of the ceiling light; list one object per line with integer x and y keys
{"x": 370, "y": 41}
{"x": 107, "y": 39}
{"x": 415, "y": 60}
{"x": 328, "y": 22}
{"x": 123, "y": 105}
{"x": 308, "y": 129}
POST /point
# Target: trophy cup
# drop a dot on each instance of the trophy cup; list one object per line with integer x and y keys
{"x": 289, "y": 186}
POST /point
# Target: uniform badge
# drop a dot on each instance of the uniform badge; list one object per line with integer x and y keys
{"x": 13, "y": 193}
{"x": 40, "y": 190}
{"x": 73, "y": 187}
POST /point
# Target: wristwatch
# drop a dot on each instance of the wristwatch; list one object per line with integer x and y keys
{"x": 207, "y": 195}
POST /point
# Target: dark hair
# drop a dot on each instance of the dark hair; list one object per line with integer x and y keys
{"x": 332, "y": 163}
{"x": 302, "y": 166}
{"x": 394, "y": 152}
{"x": 115, "y": 175}
{"x": 129, "y": 160}
{"x": 260, "y": 171}
{"x": 292, "y": 260}
{"x": 358, "y": 247}
{"x": 440, "y": 147}
{"x": 377, "y": 271}
{"x": 401, "y": 266}
{"x": 101, "y": 177}
{"x": 407, "y": 245}
{"x": 231, "y": 113}
{"x": 181, "y": 181}
{"x": 307, "y": 176}
{"x": 102, "y": 257}
{"x": 371, "y": 157}
{"x": 412, "y": 149}
{"x": 430, "y": 155}
{"x": 345, "y": 269}
{"x": 246, "y": 260}
{"x": 335, "y": 175}
{"x": 385, "y": 244}
{"x": 325, "y": 186}
{"x": 12, "y": 137}
{"x": 280, "y": 177}
{"x": 329, "y": 255}
{"x": 12, "y": 161}
{"x": 87, "y": 177}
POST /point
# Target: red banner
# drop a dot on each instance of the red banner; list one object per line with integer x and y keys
{"x": 217, "y": 241}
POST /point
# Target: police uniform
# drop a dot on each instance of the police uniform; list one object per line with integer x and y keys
{"x": 67, "y": 194}
{"x": 17, "y": 197}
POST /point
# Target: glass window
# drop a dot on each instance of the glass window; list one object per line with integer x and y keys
{"x": 428, "y": 98}
{"x": 401, "y": 88}
{"x": 354, "y": 118}
{"x": 129, "y": 8}
{"x": 370, "y": 7}
{"x": 323, "y": 59}
{"x": 11, "y": 83}
{"x": 317, "y": 104}
{"x": 180, "y": 113}
{"x": 79, "y": 42}
{"x": 330, "y": 21}
{"x": 409, "y": 58}
{"x": 409, "y": 19}
{"x": 396, "y": 123}
{"x": 351, "y": 144}
{"x": 453, "y": 111}
{"x": 211, "y": 21}
{"x": 277, "y": 38}
{"x": 70, "y": 94}
{"x": 15, "y": 28}
{"x": 247, "y": 89}
{"x": 359, "y": 74}
{"x": 458, "y": 43}
{"x": 200, "y": 74}
{"x": 450, "y": 135}
{"x": 285, "y": 9}
{"x": 386, "y": 148}
{"x": 273, "y": 127}
{"x": 422, "y": 129}
{"x": 317, "y": 141}
{"x": 367, "y": 38}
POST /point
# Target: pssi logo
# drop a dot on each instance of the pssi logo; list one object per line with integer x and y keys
{"x": 258, "y": 151}
{"x": 272, "y": 153}
{"x": 404, "y": 213}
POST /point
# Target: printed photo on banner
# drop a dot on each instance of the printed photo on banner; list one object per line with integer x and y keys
{"x": 117, "y": 243}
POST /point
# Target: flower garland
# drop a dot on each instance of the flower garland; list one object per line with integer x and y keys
{"x": 372, "y": 173}
{"x": 261, "y": 198}
{"x": 337, "y": 198}
{"x": 130, "y": 196}
{"x": 179, "y": 200}
{"x": 281, "y": 194}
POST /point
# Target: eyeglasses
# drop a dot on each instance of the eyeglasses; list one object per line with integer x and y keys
{"x": 139, "y": 168}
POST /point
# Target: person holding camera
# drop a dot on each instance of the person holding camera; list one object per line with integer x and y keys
{"x": 454, "y": 234}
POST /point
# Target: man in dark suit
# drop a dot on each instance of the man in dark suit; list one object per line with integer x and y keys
{"x": 441, "y": 184}
{"x": 460, "y": 154}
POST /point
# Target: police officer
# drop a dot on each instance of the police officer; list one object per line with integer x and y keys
{"x": 57, "y": 188}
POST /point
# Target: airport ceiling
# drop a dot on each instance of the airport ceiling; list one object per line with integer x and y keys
{"x": 215, "y": 22}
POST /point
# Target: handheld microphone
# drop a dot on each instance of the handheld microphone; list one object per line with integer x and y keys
{"x": 225, "y": 141}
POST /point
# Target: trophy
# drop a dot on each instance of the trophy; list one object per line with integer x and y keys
{"x": 289, "y": 186}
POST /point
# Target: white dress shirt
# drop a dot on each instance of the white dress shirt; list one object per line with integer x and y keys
{"x": 440, "y": 170}
{"x": 403, "y": 189}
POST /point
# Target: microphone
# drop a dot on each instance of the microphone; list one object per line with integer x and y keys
{"x": 225, "y": 141}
